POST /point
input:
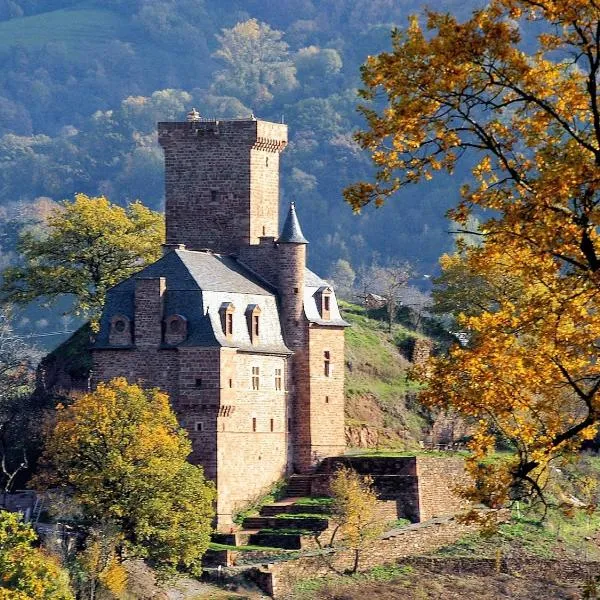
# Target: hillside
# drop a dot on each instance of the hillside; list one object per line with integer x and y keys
{"x": 81, "y": 31}
{"x": 382, "y": 410}
{"x": 82, "y": 85}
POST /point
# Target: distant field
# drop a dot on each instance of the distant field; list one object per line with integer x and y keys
{"x": 79, "y": 29}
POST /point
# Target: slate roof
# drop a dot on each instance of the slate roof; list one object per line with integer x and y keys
{"x": 198, "y": 283}
{"x": 292, "y": 232}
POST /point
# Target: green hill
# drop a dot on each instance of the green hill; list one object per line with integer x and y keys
{"x": 80, "y": 30}
{"x": 381, "y": 402}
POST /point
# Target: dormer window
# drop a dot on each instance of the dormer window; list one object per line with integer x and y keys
{"x": 323, "y": 299}
{"x": 120, "y": 331}
{"x": 175, "y": 329}
{"x": 253, "y": 317}
{"x": 226, "y": 311}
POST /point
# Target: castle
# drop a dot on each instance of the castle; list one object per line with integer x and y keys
{"x": 247, "y": 342}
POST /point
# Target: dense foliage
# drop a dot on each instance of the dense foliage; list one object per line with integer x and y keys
{"x": 26, "y": 572}
{"x": 87, "y": 246}
{"x": 82, "y": 86}
{"x": 121, "y": 453}
{"x": 531, "y": 371}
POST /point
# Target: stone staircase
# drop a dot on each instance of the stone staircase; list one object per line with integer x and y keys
{"x": 299, "y": 486}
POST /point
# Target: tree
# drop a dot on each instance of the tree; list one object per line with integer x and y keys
{"x": 354, "y": 511}
{"x": 90, "y": 245}
{"x": 533, "y": 121}
{"x": 27, "y": 573}
{"x": 121, "y": 453}
{"x": 19, "y": 413}
{"x": 388, "y": 282}
{"x": 257, "y": 63}
{"x": 343, "y": 276}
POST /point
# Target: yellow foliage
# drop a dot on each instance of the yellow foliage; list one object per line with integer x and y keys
{"x": 354, "y": 509}
{"x": 122, "y": 454}
{"x": 28, "y": 573}
{"x": 88, "y": 245}
{"x": 531, "y": 372}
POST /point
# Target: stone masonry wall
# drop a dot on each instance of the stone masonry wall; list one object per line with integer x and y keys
{"x": 327, "y": 437}
{"x": 252, "y": 436}
{"x": 438, "y": 482}
{"x": 221, "y": 179}
{"x": 279, "y": 579}
{"x": 262, "y": 259}
{"x": 149, "y": 299}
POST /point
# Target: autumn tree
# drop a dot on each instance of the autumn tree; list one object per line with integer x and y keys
{"x": 353, "y": 511}
{"x": 88, "y": 246}
{"x": 532, "y": 121}
{"x": 26, "y": 572}
{"x": 121, "y": 453}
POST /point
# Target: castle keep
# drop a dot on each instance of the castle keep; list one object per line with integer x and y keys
{"x": 247, "y": 342}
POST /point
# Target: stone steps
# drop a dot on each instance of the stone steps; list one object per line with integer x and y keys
{"x": 299, "y": 486}
{"x": 311, "y": 523}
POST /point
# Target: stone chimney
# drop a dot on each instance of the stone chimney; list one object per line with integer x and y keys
{"x": 149, "y": 300}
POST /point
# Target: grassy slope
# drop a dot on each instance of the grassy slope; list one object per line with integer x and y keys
{"x": 376, "y": 380}
{"x": 80, "y": 29}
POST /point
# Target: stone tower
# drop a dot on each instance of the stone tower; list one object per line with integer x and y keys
{"x": 221, "y": 182}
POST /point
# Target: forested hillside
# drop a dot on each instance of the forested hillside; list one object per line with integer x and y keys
{"x": 82, "y": 85}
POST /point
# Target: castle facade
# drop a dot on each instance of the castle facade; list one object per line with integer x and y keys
{"x": 247, "y": 342}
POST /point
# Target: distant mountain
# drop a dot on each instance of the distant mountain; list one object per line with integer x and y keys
{"x": 82, "y": 85}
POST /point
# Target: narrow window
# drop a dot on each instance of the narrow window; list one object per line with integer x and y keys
{"x": 253, "y": 322}
{"x": 272, "y": 425}
{"x": 199, "y": 426}
{"x": 213, "y": 195}
{"x": 267, "y": 161}
{"x": 296, "y": 290}
{"x": 255, "y": 378}
{"x": 264, "y": 230}
{"x": 327, "y": 363}
{"x": 198, "y": 382}
{"x": 255, "y": 326}
{"x": 326, "y": 303}
{"x": 278, "y": 379}
{"x": 226, "y": 313}
{"x": 253, "y": 423}
{"x": 326, "y": 399}
{"x": 231, "y": 383}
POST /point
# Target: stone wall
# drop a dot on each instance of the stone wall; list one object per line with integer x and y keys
{"x": 323, "y": 409}
{"x": 421, "y": 487}
{"x": 239, "y": 435}
{"x": 279, "y": 579}
{"x": 439, "y": 479}
{"x": 252, "y": 437}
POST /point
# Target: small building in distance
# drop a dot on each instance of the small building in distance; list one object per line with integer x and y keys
{"x": 247, "y": 342}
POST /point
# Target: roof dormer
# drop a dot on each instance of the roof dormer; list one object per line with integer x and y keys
{"x": 253, "y": 319}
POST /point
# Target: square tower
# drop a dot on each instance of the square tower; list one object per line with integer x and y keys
{"x": 221, "y": 182}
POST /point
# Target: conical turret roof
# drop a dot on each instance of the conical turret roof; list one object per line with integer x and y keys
{"x": 291, "y": 232}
